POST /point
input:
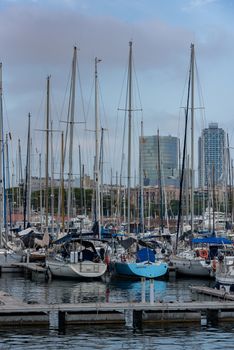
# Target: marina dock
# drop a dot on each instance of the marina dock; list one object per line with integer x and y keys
{"x": 18, "y": 313}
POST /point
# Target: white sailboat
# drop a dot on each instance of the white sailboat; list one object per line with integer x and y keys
{"x": 8, "y": 250}
{"x": 76, "y": 258}
{"x": 188, "y": 262}
{"x": 224, "y": 272}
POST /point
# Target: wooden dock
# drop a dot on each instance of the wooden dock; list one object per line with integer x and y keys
{"x": 16, "y": 312}
{"x": 34, "y": 270}
{"x": 203, "y": 293}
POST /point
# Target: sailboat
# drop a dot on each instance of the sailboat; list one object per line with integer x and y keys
{"x": 224, "y": 271}
{"x": 198, "y": 258}
{"x": 135, "y": 261}
{"x": 75, "y": 258}
{"x": 8, "y": 250}
{"x": 187, "y": 261}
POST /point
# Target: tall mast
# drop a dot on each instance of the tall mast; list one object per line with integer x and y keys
{"x": 41, "y": 220}
{"x": 81, "y": 184}
{"x": 27, "y": 175}
{"x": 47, "y": 152}
{"x": 129, "y": 133}
{"x": 71, "y": 123}
{"x": 52, "y": 180}
{"x": 20, "y": 174}
{"x": 101, "y": 177}
{"x": 62, "y": 181}
{"x": 192, "y": 138}
{"x": 141, "y": 181}
{"x": 8, "y": 185}
{"x": 160, "y": 185}
{"x": 1, "y": 159}
{"x": 97, "y": 147}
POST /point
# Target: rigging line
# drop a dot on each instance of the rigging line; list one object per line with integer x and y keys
{"x": 67, "y": 123}
{"x": 183, "y": 161}
{"x": 81, "y": 91}
{"x": 106, "y": 139}
{"x": 117, "y": 115}
{"x": 89, "y": 144}
{"x": 200, "y": 96}
{"x": 123, "y": 139}
{"x": 38, "y": 142}
{"x": 181, "y": 101}
{"x": 56, "y": 156}
{"x": 137, "y": 84}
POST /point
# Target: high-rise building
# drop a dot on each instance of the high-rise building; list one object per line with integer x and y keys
{"x": 169, "y": 156}
{"x": 211, "y": 146}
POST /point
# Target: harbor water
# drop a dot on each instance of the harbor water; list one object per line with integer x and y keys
{"x": 173, "y": 336}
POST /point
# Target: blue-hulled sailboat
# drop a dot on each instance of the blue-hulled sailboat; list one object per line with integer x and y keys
{"x": 135, "y": 261}
{"x": 139, "y": 260}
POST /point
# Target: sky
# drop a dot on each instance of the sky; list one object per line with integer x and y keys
{"x": 37, "y": 39}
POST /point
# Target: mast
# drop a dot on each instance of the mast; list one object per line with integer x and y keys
{"x": 62, "y": 181}
{"x": 160, "y": 185}
{"x": 101, "y": 178}
{"x": 41, "y": 219}
{"x": 129, "y": 133}
{"x": 97, "y": 146}
{"x": 81, "y": 183}
{"x": 47, "y": 152}
{"x": 192, "y": 137}
{"x": 71, "y": 122}
{"x": 20, "y": 174}
{"x": 52, "y": 181}
{"x": 27, "y": 174}
{"x": 8, "y": 184}
{"x": 1, "y": 161}
{"x": 141, "y": 182}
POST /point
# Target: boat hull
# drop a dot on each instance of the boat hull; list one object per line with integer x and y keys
{"x": 79, "y": 270}
{"x": 143, "y": 269}
{"x": 191, "y": 267}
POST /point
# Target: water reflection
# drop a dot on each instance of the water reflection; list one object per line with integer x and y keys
{"x": 116, "y": 290}
{"x": 131, "y": 291}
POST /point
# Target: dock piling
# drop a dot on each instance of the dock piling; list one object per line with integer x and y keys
{"x": 151, "y": 291}
{"x": 143, "y": 289}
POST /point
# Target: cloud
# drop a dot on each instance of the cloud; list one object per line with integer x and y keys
{"x": 193, "y": 4}
{"x": 37, "y": 40}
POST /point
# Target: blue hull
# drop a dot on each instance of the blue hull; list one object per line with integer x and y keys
{"x": 142, "y": 269}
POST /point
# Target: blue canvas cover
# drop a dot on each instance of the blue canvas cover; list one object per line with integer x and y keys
{"x": 145, "y": 254}
{"x": 212, "y": 240}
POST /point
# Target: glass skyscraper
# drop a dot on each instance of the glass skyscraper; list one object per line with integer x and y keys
{"x": 211, "y": 146}
{"x": 169, "y": 156}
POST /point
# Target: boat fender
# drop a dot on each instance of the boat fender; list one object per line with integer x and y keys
{"x": 107, "y": 260}
{"x": 214, "y": 265}
{"x": 123, "y": 257}
{"x": 220, "y": 257}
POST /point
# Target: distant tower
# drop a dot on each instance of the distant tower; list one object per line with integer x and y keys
{"x": 169, "y": 154}
{"x": 211, "y": 146}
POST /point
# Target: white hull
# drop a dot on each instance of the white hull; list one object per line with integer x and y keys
{"x": 191, "y": 267}
{"x": 83, "y": 269}
{"x": 225, "y": 273}
{"x": 222, "y": 279}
